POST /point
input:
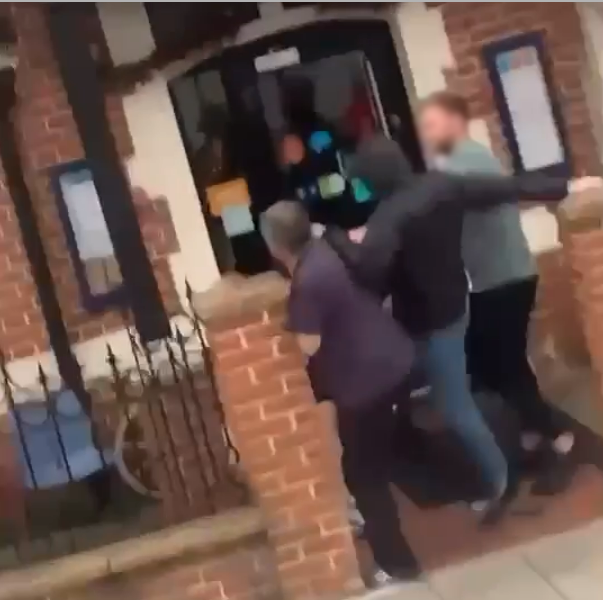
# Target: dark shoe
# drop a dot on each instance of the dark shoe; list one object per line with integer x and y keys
{"x": 556, "y": 476}
{"x": 531, "y": 462}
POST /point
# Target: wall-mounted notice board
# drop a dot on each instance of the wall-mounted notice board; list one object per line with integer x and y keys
{"x": 89, "y": 243}
{"x": 527, "y": 104}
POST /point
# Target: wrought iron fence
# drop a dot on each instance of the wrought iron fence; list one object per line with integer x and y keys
{"x": 148, "y": 448}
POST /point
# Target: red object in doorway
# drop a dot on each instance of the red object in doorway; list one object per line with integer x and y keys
{"x": 359, "y": 118}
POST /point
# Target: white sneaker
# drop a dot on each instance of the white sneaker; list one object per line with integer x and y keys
{"x": 356, "y": 522}
{"x": 382, "y": 579}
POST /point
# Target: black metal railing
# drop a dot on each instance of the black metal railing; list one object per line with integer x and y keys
{"x": 153, "y": 450}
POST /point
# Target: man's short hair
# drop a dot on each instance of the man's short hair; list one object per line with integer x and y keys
{"x": 286, "y": 225}
{"x": 449, "y": 102}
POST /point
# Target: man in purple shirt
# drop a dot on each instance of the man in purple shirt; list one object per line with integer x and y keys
{"x": 358, "y": 362}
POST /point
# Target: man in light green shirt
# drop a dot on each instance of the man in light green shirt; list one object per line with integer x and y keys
{"x": 503, "y": 281}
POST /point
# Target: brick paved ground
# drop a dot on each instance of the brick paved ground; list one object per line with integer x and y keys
{"x": 448, "y": 536}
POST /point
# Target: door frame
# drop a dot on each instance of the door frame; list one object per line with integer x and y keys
{"x": 369, "y": 35}
{"x": 372, "y": 36}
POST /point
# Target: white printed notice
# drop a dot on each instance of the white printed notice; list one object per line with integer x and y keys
{"x": 86, "y": 215}
{"x": 527, "y": 97}
{"x": 237, "y": 220}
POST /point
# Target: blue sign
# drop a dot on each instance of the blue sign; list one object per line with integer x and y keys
{"x": 320, "y": 141}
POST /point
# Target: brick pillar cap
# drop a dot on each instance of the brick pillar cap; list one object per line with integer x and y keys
{"x": 235, "y": 295}
{"x": 582, "y": 211}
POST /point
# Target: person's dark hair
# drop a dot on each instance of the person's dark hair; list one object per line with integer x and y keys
{"x": 449, "y": 102}
{"x": 286, "y": 225}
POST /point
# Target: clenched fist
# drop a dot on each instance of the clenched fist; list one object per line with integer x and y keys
{"x": 581, "y": 184}
{"x": 357, "y": 235}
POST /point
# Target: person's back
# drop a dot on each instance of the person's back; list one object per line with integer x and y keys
{"x": 364, "y": 354}
{"x": 429, "y": 284}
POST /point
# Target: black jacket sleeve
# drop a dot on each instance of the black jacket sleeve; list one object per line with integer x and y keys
{"x": 487, "y": 191}
{"x": 371, "y": 260}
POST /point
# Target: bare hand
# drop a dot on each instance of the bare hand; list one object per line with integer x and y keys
{"x": 318, "y": 230}
{"x": 357, "y": 235}
{"x": 582, "y": 184}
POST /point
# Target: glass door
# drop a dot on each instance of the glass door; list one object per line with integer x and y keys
{"x": 317, "y": 112}
{"x": 230, "y": 152}
{"x": 285, "y": 115}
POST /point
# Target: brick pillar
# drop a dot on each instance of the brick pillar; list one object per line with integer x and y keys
{"x": 581, "y": 220}
{"x": 272, "y": 417}
{"x": 556, "y": 320}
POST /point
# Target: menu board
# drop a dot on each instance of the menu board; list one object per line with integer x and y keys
{"x": 86, "y": 215}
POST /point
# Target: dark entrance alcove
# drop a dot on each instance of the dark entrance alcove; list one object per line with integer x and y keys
{"x": 232, "y": 118}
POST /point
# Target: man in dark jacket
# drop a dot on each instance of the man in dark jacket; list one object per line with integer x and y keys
{"x": 411, "y": 249}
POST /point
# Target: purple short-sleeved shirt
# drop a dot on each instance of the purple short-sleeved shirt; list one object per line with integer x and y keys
{"x": 364, "y": 354}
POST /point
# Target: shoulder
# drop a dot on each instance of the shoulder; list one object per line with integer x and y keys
{"x": 471, "y": 156}
{"x": 319, "y": 268}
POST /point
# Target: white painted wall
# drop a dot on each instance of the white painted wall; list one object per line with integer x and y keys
{"x": 159, "y": 163}
{"x": 424, "y": 54}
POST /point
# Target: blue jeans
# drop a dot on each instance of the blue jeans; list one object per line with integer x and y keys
{"x": 442, "y": 355}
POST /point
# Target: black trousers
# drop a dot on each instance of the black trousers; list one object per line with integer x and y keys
{"x": 496, "y": 348}
{"x": 367, "y": 442}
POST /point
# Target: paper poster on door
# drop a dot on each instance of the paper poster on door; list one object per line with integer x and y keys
{"x": 229, "y": 193}
{"x": 237, "y": 220}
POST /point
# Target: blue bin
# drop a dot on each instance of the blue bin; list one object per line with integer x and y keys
{"x": 39, "y": 436}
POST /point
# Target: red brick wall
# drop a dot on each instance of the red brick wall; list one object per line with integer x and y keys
{"x": 245, "y": 574}
{"x": 557, "y": 315}
{"x": 285, "y": 453}
{"x": 583, "y": 247}
{"x": 471, "y": 25}
{"x": 48, "y": 136}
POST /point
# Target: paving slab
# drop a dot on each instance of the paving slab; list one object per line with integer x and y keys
{"x": 405, "y": 591}
{"x": 572, "y": 562}
{"x": 499, "y": 576}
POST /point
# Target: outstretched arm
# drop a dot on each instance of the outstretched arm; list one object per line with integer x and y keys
{"x": 475, "y": 192}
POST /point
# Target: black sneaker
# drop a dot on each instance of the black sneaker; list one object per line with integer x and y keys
{"x": 556, "y": 476}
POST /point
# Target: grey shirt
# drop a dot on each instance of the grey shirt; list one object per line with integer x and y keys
{"x": 364, "y": 354}
{"x": 495, "y": 249}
